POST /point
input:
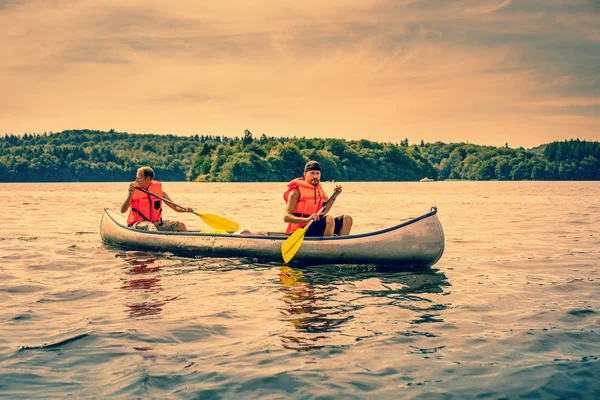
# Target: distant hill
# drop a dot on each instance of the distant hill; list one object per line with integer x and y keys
{"x": 94, "y": 156}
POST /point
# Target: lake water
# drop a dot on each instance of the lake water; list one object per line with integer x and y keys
{"x": 510, "y": 311}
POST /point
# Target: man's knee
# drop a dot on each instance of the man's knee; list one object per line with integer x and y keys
{"x": 347, "y": 221}
{"x": 181, "y": 227}
{"x": 346, "y": 225}
{"x": 329, "y": 221}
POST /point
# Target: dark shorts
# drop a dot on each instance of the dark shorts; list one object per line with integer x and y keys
{"x": 317, "y": 228}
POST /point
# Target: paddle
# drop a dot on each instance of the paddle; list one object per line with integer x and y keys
{"x": 212, "y": 220}
{"x": 292, "y": 244}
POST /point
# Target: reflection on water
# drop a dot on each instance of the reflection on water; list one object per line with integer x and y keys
{"x": 309, "y": 318}
{"x": 327, "y": 305}
{"x": 146, "y": 279}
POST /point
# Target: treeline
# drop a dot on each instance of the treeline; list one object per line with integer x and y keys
{"x": 276, "y": 160}
{"x": 92, "y": 156}
{"x": 568, "y": 160}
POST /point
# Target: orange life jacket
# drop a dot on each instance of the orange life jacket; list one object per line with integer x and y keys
{"x": 145, "y": 207}
{"x": 311, "y": 200}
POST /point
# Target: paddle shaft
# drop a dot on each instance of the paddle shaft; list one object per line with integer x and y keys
{"x": 292, "y": 244}
{"x": 213, "y": 220}
{"x": 162, "y": 198}
{"x": 333, "y": 196}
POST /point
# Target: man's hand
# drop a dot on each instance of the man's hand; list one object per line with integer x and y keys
{"x": 314, "y": 217}
{"x": 127, "y": 203}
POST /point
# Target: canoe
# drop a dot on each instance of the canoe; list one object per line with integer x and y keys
{"x": 418, "y": 242}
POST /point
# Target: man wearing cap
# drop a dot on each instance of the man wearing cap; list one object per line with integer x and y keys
{"x": 305, "y": 198}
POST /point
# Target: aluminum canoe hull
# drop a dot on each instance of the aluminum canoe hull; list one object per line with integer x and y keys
{"x": 419, "y": 241}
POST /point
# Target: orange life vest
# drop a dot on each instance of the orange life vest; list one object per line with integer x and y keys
{"x": 311, "y": 200}
{"x": 145, "y": 207}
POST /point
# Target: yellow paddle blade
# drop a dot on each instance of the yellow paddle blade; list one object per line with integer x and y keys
{"x": 219, "y": 222}
{"x": 292, "y": 244}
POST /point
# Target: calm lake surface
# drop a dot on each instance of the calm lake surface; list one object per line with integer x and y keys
{"x": 510, "y": 311}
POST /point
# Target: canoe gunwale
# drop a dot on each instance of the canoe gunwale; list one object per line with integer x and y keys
{"x": 108, "y": 212}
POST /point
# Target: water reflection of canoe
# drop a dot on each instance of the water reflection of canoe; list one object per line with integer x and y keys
{"x": 315, "y": 302}
{"x": 419, "y": 241}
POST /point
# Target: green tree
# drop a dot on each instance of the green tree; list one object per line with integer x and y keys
{"x": 246, "y": 167}
{"x": 287, "y": 161}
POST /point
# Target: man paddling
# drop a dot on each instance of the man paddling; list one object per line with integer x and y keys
{"x": 146, "y": 210}
{"x": 305, "y": 197}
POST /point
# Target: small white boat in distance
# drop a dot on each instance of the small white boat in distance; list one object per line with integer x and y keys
{"x": 426, "y": 179}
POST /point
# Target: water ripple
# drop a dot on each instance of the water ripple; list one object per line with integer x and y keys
{"x": 56, "y": 345}
{"x": 510, "y": 311}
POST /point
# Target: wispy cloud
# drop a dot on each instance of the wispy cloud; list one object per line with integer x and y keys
{"x": 486, "y": 8}
{"x": 9, "y": 3}
{"x": 187, "y": 98}
{"x": 567, "y": 102}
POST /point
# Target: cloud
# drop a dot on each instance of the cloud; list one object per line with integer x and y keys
{"x": 394, "y": 68}
{"x": 568, "y": 102}
{"x": 188, "y": 98}
{"x": 9, "y": 3}
{"x": 486, "y": 8}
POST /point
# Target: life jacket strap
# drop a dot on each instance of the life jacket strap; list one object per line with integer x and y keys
{"x": 140, "y": 214}
{"x": 302, "y": 215}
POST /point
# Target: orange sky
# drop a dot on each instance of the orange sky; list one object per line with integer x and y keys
{"x": 479, "y": 71}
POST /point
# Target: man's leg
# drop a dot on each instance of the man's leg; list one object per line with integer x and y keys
{"x": 144, "y": 226}
{"x": 329, "y": 225}
{"x": 170, "y": 226}
{"x": 317, "y": 228}
{"x": 346, "y": 225}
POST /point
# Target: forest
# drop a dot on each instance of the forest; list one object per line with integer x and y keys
{"x": 97, "y": 156}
